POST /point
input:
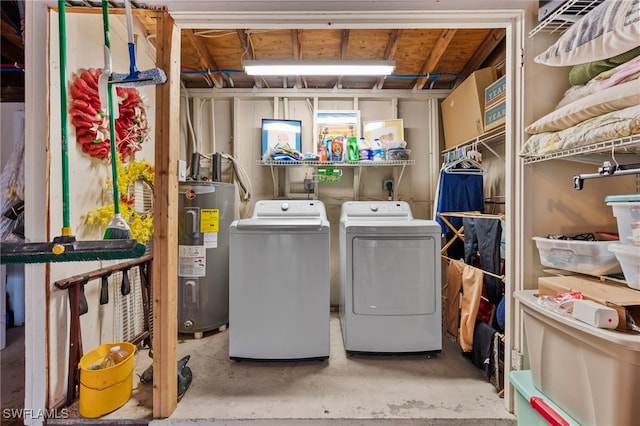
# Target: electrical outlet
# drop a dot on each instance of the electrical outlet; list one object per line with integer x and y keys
{"x": 182, "y": 170}
{"x": 387, "y": 185}
{"x": 308, "y": 185}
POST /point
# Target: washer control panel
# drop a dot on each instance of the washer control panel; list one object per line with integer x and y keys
{"x": 288, "y": 208}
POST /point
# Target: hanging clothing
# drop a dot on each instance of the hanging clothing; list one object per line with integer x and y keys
{"x": 471, "y": 293}
{"x": 458, "y": 192}
{"x": 482, "y": 353}
{"x": 452, "y": 306}
{"x": 483, "y": 236}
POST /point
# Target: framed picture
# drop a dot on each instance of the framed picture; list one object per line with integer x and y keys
{"x": 281, "y": 134}
{"x": 335, "y": 124}
{"x": 385, "y": 130}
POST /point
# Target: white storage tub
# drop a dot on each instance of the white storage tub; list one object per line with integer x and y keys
{"x": 592, "y": 374}
{"x": 629, "y": 258}
{"x": 626, "y": 209}
{"x": 586, "y": 257}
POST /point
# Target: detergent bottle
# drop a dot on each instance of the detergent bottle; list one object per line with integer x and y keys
{"x": 352, "y": 149}
{"x": 337, "y": 149}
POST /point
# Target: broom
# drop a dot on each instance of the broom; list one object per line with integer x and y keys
{"x": 118, "y": 228}
{"x": 65, "y": 248}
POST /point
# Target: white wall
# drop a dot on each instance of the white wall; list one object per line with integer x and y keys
{"x": 245, "y": 118}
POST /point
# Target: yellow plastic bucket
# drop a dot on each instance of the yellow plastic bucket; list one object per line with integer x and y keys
{"x": 105, "y": 390}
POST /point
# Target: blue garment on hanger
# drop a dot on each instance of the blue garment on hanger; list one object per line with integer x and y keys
{"x": 459, "y": 192}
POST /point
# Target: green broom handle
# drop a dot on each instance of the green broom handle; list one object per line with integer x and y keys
{"x": 62, "y": 30}
{"x": 112, "y": 121}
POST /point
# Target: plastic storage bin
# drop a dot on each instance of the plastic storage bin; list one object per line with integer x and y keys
{"x": 590, "y": 373}
{"x": 629, "y": 258}
{"x": 398, "y": 154}
{"x": 105, "y": 390}
{"x": 533, "y": 408}
{"x": 626, "y": 209}
{"x": 586, "y": 257}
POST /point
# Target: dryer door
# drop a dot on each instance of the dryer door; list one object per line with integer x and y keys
{"x": 394, "y": 276}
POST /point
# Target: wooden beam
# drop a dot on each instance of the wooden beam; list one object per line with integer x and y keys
{"x": 491, "y": 41}
{"x": 165, "y": 238}
{"x": 390, "y": 51}
{"x": 247, "y": 49}
{"x": 206, "y": 59}
{"x": 344, "y": 42}
{"x": 434, "y": 56}
{"x": 296, "y": 36}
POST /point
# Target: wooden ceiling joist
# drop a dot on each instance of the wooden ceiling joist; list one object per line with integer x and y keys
{"x": 435, "y": 55}
{"x": 344, "y": 42}
{"x": 493, "y": 39}
{"x": 296, "y": 37}
{"x": 205, "y": 57}
{"x": 390, "y": 51}
{"x": 247, "y": 51}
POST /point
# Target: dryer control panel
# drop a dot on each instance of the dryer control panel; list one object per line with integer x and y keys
{"x": 394, "y": 209}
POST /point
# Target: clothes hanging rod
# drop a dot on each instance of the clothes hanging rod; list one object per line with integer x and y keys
{"x": 500, "y": 277}
{"x": 606, "y": 170}
{"x": 473, "y": 214}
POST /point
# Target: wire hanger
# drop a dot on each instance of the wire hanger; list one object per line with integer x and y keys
{"x": 464, "y": 163}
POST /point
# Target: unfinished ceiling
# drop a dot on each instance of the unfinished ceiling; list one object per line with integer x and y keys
{"x": 425, "y": 58}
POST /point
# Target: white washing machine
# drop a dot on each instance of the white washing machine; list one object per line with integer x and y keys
{"x": 390, "y": 291}
{"x": 279, "y": 282}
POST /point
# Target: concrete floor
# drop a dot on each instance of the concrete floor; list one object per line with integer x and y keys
{"x": 445, "y": 389}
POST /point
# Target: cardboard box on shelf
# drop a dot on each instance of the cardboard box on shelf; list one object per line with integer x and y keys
{"x": 495, "y": 107}
{"x": 463, "y": 109}
{"x": 625, "y": 300}
{"x": 495, "y": 116}
{"x": 495, "y": 93}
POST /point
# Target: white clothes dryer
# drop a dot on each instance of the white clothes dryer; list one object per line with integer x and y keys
{"x": 279, "y": 282}
{"x": 390, "y": 290}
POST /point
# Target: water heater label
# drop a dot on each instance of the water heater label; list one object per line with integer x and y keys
{"x": 209, "y": 220}
{"x": 210, "y": 240}
{"x": 192, "y": 261}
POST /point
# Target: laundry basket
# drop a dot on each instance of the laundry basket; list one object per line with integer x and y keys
{"x": 105, "y": 390}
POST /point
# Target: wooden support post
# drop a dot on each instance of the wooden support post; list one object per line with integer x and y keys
{"x": 165, "y": 239}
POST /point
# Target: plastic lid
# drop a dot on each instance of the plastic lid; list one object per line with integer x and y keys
{"x": 622, "y": 198}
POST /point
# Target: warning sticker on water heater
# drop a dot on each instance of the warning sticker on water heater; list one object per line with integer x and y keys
{"x": 209, "y": 220}
{"x": 209, "y": 226}
{"x": 192, "y": 261}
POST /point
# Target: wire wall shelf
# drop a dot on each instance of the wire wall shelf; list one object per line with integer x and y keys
{"x": 336, "y": 163}
{"x": 565, "y": 16}
{"x": 492, "y": 136}
{"x": 596, "y": 148}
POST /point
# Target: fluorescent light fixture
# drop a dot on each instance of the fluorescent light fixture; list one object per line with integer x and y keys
{"x": 325, "y": 68}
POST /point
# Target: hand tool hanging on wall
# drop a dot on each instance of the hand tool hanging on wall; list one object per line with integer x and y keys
{"x": 135, "y": 76}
